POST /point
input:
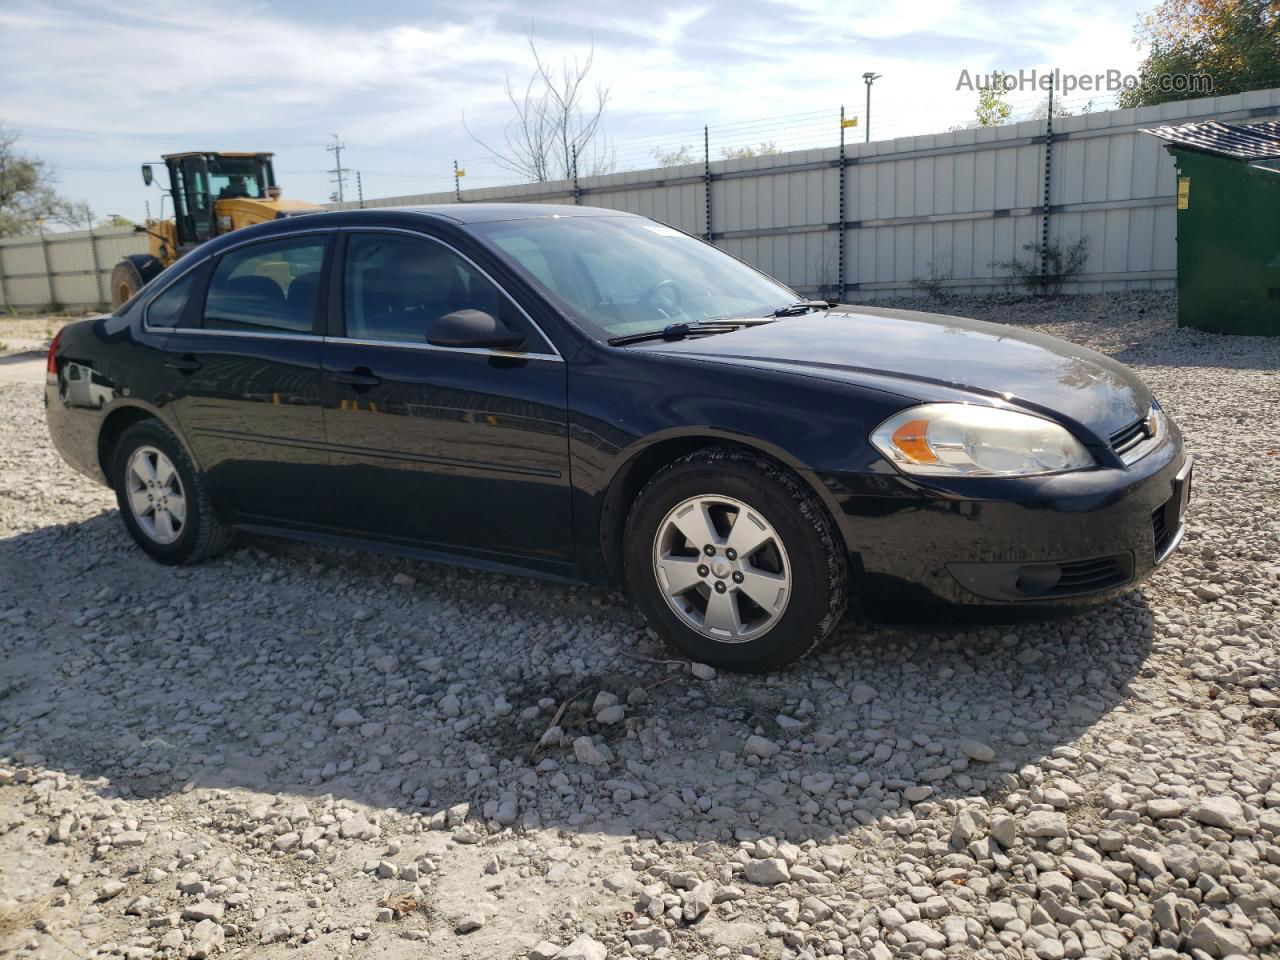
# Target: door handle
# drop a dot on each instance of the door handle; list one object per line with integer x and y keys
{"x": 360, "y": 377}
{"x": 183, "y": 364}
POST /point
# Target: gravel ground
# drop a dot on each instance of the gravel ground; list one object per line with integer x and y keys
{"x": 21, "y": 333}
{"x": 295, "y": 748}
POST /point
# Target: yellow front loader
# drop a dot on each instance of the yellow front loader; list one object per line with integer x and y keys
{"x": 213, "y": 194}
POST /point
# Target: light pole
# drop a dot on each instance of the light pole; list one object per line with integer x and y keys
{"x": 869, "y": 78}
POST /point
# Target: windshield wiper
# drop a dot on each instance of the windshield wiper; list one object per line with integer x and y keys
{"x": 672, "y": 331}
{"x": 801, "y": 307}
{"x": 685, "y": 328}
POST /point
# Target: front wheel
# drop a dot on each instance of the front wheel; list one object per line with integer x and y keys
{"x": 734, "y": 561}
{"x": 126, "y": 280}
{"x": 162, "y": 497}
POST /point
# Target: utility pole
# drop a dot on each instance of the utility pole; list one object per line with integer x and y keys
{"x": 869, "y": 78}
{"x": 338, "y": 174}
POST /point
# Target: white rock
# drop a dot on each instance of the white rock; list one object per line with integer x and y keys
{"x": 469, "y": 923}
{"x": 589, "y": 752}
{"x": 758, "y": 746}
{"x": 920, "y": 931}
{"x": 1044, "y": 823}
{"x": 977, "y": 750}
{"x": 584, "y": 948}
{"x": 273, "y": 931}
{"x": 768, "y": 872}
{"x": 350, "y": 717}
{"x": 1222, "y": 811}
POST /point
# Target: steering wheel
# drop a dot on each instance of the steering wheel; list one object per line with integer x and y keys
{"x": 674, "y": 296}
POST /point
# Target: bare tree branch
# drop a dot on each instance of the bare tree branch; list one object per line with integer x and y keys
{"x": 557, "y": 117}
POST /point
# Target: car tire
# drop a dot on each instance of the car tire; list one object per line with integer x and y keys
{"x": 154, "y": 477}
{"x": 126, "y": 280}
{"x": 798, "y": 571}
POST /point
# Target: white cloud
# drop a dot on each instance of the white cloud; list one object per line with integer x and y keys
{"x": 105, "y": 86}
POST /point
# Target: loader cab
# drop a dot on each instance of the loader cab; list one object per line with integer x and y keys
{"x": 199, "y": 180}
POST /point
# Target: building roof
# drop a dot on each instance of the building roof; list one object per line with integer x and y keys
{"x": 1236, "y": 141}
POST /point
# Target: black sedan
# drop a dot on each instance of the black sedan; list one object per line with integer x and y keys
{"x": 583, "y": 394}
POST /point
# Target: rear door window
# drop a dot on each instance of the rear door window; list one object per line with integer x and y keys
{"x": 267, "y": 287}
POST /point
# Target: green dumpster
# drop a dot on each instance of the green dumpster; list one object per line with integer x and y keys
{"x": 1228, "y": 225}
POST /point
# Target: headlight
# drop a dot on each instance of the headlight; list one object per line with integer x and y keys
{"x": 960, "y": 439}
{"x": 1155, "y": 419}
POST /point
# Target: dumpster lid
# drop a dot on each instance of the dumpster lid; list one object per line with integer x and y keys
{"x": 1236, "y": 141}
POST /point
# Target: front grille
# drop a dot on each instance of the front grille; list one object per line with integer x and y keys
{"x": 1085, "y": 576}
{"x": 1130, "y": 438}
{"x": 1161, "y": 528}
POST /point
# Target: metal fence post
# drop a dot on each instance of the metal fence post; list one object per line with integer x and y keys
{"x": 4, "y": 290}
{"x": 1048, "y": 167}
{"x": 706, "y": 177}
{"x": 840, "y": 246}
{"x": 97, "y": 267}
{"x": 360, "y": 189}
{"x": 577, "y": 194}
{"x": 48, "y": 270}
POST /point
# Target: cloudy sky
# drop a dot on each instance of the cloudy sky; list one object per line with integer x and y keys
{"x": 98, "y": 88}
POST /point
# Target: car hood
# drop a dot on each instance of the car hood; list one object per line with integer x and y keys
{"x": 930, "y": 357}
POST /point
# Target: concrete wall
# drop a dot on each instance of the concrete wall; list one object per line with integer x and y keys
{"x": 943, "y": 207}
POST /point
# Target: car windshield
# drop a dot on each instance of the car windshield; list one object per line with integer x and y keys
{"x": 626, "y": 275}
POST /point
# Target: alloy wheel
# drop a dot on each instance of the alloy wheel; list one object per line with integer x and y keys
{"x": 722, "y": 568}
{"x": 155, "y": 494}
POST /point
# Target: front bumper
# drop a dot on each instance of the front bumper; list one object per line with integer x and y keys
{"x": 1069, "y": 540}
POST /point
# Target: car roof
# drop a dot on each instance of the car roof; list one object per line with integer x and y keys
{"x": 489, "y": 212}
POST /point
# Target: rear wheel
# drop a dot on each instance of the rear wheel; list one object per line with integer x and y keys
{"x": 162, "y": 497}
{"x": 734, "y": 561}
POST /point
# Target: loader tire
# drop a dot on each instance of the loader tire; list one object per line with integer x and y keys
{"x": 131, "y": 275}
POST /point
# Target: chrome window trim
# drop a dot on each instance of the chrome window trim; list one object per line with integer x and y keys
{"x": 482, "y": 271}
{"x": 555, "y": 356}
{"x": 264, "y": 335}
{"x": 483, "y": 351}
{"x": 146, "y": 310}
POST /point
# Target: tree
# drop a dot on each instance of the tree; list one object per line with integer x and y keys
{"x": 1200, "y": 47}
{"x": 115, "y": 220}
{"x": 1041, "y": 111}
{"x": 674, "y": 158}
{"x": 27, "y": 191}
{"x": 766, "y": 149}
{"x": 557, "y": 117}
{"x": 992, "y": 109}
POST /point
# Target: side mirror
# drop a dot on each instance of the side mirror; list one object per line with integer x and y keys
{"x": 147, "y": 175}
{"x": 472, "y": 328}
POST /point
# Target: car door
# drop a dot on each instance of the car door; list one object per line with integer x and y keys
{"x": 244, "y": 368}
{"x": 463, "y": 449}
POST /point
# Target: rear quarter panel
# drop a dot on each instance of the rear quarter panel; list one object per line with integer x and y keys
{"x": 106, "y": 365}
